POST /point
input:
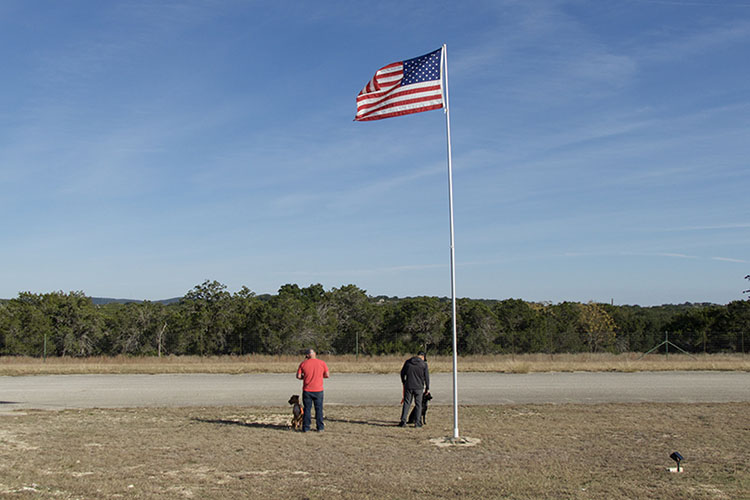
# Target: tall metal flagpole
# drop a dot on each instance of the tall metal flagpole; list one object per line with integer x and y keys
{"x": 453, "y": 252}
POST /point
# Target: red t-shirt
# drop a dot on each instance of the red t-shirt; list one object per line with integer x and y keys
{"x": 313, "y": 372}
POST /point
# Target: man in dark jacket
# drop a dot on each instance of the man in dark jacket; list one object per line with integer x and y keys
{"x": 415, "y": 377}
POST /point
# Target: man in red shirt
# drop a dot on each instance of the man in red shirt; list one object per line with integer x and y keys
{"x": 312, "y": 371}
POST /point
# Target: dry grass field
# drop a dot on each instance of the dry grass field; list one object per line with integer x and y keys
{"x": 613, "y": 451}
{"x": 608, "y": 451}
{"x": 525, "y": 363}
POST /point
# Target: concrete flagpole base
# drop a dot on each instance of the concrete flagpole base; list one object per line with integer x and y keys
{"x": 451, "y": 441}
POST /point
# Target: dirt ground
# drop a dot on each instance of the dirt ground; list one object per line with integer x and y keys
{"x": 549, "y": 451}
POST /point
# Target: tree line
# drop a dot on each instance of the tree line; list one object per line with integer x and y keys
{"x": 209, "y": 320}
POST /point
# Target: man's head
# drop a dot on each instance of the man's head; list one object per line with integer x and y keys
{"x": 310, "y": 354}
{"x": 421, "y": 354}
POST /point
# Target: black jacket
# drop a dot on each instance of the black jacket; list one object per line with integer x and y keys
{"x": 415, "y": 375}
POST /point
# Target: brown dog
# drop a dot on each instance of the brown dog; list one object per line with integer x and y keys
{"x": 297, "y": 412}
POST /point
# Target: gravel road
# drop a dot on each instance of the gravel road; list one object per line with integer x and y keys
{"x": 123, "y": 391}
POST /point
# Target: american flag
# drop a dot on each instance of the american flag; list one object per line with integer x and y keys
{"x": 402, "y": 88}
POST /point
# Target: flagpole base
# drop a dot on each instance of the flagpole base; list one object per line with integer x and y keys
{"x": 455, "y": 442}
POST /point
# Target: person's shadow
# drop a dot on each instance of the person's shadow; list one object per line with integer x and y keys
{"x": 256, "y": 425}
{"x": 285, "y": 427}
{"x": 376, "y": 423}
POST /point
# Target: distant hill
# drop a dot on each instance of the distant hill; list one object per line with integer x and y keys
{"x": 100, "y": 301}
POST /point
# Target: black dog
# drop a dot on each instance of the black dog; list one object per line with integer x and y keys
{"x": 413, "y": 415}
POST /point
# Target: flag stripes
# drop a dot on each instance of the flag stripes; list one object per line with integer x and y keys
{"x": 403, "y": 88}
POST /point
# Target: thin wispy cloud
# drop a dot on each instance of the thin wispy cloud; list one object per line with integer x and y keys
{"x": 698, "y": 39}
{"x": 727, "y": 259}
{"x": 671, "y": 255}
{"x": 717, "y": 227}
{"x": 367, "y": 271}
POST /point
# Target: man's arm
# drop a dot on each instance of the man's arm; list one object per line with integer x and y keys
{"x": 426, "y": 378}
{"x": 325, "y": 372}
{"x": 300, "y": 375}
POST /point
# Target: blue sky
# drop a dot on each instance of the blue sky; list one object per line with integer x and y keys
{"x": 600, "y": 149}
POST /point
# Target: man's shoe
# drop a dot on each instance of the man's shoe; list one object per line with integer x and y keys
{"x": 401, "y": 424}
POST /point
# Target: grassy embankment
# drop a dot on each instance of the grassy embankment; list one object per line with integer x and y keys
{"x": 526, "y": 363}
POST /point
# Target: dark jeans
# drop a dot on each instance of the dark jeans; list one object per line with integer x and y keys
{"x": 417, "y": 397}
{"x": 308, "y": 399}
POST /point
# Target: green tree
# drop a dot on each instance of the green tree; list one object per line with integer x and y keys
{"x": 477, "y": 328}
{"x": 209, "y": 309}
{"x": 636, "y": 328}
{"x": 718, "y": 336}
{"x": 688, "y": 329}
{"x": 563, "y": 320}
{"x": 357, "y": 319}
{"x": 519, "y": 326}
{"x": 296, "y": 318}
{"x": 137, "y": 328}
{"x": 244, "y": 335}
{"x": 23, "y": 325}
{"x": 415, "y": 323}
{"x": 76, "y": 324}
{"x": 738, "y": 313}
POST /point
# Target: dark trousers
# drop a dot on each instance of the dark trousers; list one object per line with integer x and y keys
{"x": 417, "y": 397}
{"x": 308, "y": 400}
